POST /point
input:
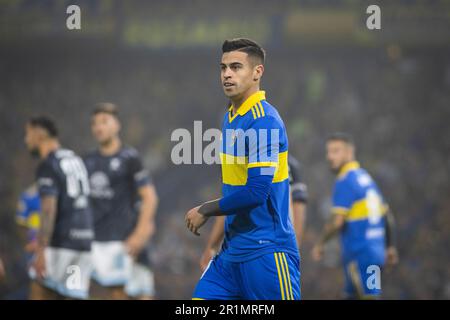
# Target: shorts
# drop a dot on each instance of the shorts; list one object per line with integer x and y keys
{"x": 67, "y": 272}
{"x": 111, "y": 263}
{"x": 141, "y": 281}
{"x": 363, "y": 276}
{"x": 274, "y": 276}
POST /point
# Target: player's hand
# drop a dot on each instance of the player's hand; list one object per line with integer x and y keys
{"x": 194, "y": 220}
{"x": 207, "y": 255}
{"x": 31, "y": 246}
{"x": 39, "y": 262}
{"x": 139, "y": 238}
{"x": 391, "y": 256}
{"x": 317, "y": 252}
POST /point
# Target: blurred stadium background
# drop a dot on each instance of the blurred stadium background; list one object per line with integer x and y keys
{"x": 158, "y": 60}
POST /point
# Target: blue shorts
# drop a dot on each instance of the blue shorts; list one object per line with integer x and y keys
{"x": 363, "y": 276}
{"x": 274, "y": 276}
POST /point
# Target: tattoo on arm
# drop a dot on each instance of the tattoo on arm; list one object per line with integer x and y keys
{"x": 48, "y": 204}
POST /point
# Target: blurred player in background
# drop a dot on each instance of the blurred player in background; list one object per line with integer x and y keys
{"x": 363, "y": 219}
{"x": 259, "y": 257}
{"x": 28, "y": 217}
{"x": 118, "y": 181}
{"x": 299, "y": 196}
{"x": 62, "y": 262}
{"x": 28, "y": 221}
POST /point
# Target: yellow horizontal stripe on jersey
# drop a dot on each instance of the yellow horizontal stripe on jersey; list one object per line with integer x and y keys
{"x": 282, "y": 171}
{"x": 360, "y": 210}
{"x": 234, "y": 169}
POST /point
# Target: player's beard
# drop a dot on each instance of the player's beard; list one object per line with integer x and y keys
{"x": 106, "y": 142}
{"x": 34, "y": 152}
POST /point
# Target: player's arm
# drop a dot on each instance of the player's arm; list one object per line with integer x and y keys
{"x": 331, "y": 229}
{"x": 342, "y": 201}
{"x": 299, "y": 197}
{"x": 48, "y": 193}
{"x": 145, "y": 225}
{"x": 48, "y": 207}
{"x": 214, "y": 241}
{"x": 391, "y": 245}
{"x": 298, "y": 215}
{"x": 257, "y": 188}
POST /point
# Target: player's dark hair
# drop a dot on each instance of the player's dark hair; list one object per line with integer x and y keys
{"x": 341, "y": 136}
{"x": 248, "y": 46}
{"x": 106, "y": 107}
{"x": 45, "y": 123}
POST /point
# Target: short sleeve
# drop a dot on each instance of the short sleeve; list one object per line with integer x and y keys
{"x": 299, "y": 190}
{"x": 264, "y": 138}
{"x": 140, "y": 175}
{"x": 47, "y": 182}
{"x": 342, "y": 197}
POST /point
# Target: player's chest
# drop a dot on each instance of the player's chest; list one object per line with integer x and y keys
{"x": 114, "y": 169}
{"x": 235, "y": 137}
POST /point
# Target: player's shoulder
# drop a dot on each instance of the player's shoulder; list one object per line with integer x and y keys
{"x": 265, "y": 114}
{"x": 92, "y": 154}
{"x": 64, "y": 153}
{"x": 128, "y": 152}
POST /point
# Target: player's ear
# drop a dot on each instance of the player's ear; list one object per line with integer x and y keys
{"x": 258, "y": 72}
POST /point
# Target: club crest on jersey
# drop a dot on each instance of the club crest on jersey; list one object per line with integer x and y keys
{"x": 114, "y": 164}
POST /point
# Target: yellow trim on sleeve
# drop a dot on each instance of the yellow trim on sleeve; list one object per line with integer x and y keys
{"x": 339, "y": 210}
{"x": 262, "y": 164}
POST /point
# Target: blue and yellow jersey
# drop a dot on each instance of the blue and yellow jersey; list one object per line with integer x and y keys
{"x": 255, "y": 137}
{"x": 357, "y": 196}
{"x": 28, "y": 211}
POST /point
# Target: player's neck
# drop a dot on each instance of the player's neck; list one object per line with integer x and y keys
{"x": 47, "y": 147}
{"x": 110, "y": 148}
{"x": 238, "y": 101}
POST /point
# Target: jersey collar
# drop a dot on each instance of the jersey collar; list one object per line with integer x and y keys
{"x": 349, "y": 166}
{"x": 247, "y": 105}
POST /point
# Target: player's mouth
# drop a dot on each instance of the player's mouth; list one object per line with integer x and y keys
{"x": 228, "y": 84}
